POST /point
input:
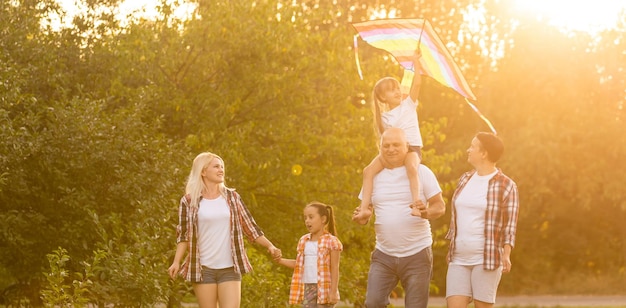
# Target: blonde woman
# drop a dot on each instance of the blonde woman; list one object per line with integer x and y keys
{"x": 212, "y": 223}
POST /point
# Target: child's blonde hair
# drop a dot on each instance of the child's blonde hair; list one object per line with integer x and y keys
{"x": 378, "y": 105}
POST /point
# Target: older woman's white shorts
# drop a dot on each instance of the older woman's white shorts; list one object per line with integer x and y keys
{"x": 473, "y": 281}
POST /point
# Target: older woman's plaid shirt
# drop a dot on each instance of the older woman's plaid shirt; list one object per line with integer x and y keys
{"x": 500, "y": 217}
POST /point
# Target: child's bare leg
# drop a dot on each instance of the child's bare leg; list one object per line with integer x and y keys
{"x": 368, "y": 185}
{"x": 412, "y": 163}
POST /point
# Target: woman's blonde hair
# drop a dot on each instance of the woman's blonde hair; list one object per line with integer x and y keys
{"x": 195, "y": 185}
{"x": 378, "y": 105}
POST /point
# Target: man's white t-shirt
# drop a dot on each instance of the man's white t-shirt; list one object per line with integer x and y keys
{"x": 398, "y": 233}
{"x": 404, "y": 116}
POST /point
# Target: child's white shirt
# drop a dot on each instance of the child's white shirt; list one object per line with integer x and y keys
{"x": 404, "y": 116}
{"x": 310, "y": 262}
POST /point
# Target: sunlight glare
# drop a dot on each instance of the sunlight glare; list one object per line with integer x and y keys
{"x": 127, "y": 9}
{"x": 591, "y": 16}
{"x": 382, "y": 13}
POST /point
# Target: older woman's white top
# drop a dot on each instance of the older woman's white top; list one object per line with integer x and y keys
{"x": 471, "y": 204}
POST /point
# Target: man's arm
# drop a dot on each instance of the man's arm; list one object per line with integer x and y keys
{"x": 436, "y": 208}
{"x": 362, "y": 218}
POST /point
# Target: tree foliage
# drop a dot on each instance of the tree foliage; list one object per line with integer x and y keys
{"x": 100, "y": 121}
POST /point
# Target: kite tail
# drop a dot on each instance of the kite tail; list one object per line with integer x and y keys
{"x": 356, "y": 56}
{"x": 481, "y": 116}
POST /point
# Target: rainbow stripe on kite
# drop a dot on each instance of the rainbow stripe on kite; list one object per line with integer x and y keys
{"x": 401, "y": 38}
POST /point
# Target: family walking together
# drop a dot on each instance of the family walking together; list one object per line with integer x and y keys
{"x": 398, "y": 191}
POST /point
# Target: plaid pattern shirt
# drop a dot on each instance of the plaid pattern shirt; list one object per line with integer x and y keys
{"x": 241, "y": 223}
{"x": 325, "y": 244}
{"x": 500, "y": 218}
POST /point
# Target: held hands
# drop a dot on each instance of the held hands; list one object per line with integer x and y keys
{"x": 276, "y": 253}
{"x": 362, "y": 216}
{"x": 418, "y": 208}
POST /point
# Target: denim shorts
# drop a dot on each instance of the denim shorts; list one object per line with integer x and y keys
{"x": 218, "y": 276}
{"x": 310, "y": 297}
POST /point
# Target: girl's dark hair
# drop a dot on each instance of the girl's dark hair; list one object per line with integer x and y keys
{"x": 326, "y": 210}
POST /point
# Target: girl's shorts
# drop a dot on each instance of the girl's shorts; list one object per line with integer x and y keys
{"x": 218, "y": 276}
{"x": 310, "y": 297}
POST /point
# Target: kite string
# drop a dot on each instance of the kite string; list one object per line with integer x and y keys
{"x": 356, "y": 56}
{"x": 493, "y": 129}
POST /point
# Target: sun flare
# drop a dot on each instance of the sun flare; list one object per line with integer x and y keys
{"x": 590, "y": 16}
{"x": 146, "y": 9}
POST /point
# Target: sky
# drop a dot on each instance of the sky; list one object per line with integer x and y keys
{"x": 138, "y": 8}
{"x": 575, "y": 15}
{"x": 570, "y": 15}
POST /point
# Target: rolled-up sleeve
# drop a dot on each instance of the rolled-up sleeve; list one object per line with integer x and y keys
{"x": 248, "y": 225}
{"x": 182, "y": 229}
{"x": 511, "y": 201}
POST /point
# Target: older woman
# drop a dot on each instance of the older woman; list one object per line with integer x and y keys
{"x": 212, "y": 223}
{"x": 484, "y": 212}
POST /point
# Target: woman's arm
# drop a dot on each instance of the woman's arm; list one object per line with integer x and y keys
{"x": 506, "y": 258}
{"x": 181, "y": 248}
{"x": 275, "y": 252}
{"x": 334, "y": 276}
{"x": 511, "y": 212}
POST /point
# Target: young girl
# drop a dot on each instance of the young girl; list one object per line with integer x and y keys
{"x": 315, "y": 280}
{"x": 390, "y": 110}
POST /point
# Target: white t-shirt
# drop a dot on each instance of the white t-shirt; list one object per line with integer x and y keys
{"x": 404, "y": 116}
{"x": 309, "y": 274}
{"x": 214, "y": 233}
{"x": 398, "y": 233}
{"x": 470, "y": 206}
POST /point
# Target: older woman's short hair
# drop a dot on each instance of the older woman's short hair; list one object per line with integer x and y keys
{"x": 492, "y": 144}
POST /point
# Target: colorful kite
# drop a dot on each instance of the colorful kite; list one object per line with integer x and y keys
{"x": 401, "y": 38}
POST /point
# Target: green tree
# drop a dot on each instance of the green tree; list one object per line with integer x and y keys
{"x": 100, "y": 122}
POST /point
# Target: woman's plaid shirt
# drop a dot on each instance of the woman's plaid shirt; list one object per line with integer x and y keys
{"x": 500, "y": 217}
{"x": 241, "y": 223}
{"x": 325, "y": 244}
